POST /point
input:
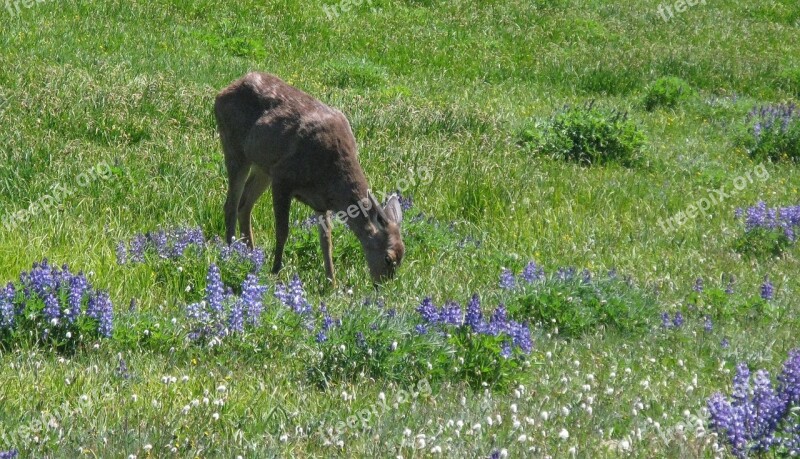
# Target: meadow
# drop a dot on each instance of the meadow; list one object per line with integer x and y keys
{"x": 647, "y": 292}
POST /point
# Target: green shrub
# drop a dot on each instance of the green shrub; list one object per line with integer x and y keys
{"x": 578, "y": 304}
{"x": 369, "y": 343}
{"x": 588, "y": 135}
{"x": 762, "y": 242}
{"x": 667, "y": 92}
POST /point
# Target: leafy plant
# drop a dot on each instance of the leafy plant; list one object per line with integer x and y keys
{"x": 667, "y": 92}
{"x": 369, "y": 342}
{"x": 587, "y": 135}
{"x": 577, "y": 304}
{"x": 55, "y": 307}
{"x": 768, "y": 231}
{"x": 772, "y": 133}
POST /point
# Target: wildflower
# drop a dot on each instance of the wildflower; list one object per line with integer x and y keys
{"x": 698, "y": 285}
{"x": 666, "y": 321}
{"x": 708, "y": 326}
{"x": 725, "y": 343}
{"x": 767, "y": 291}
{"x": 564, "y": 434}
{"x": 729, "y": 287}
{"x": 507, "y": 280}
{"x": 532, "y": 273}
{"x": 122, "y": 369}
{"x": 677, "y": 321}
{"x": 252, "y": 296}
{"x": 450, "y": 314}
{"x": 474, "y": 316}
{"x": 428, "y": 311}
{"x": 122, "y": 253}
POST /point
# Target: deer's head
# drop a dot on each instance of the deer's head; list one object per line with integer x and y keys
{"x": 384, "y": 247}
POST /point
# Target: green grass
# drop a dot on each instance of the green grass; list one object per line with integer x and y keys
{"x": 434, "y": 86}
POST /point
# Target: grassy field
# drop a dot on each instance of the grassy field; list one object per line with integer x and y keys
{"x": 437, "y": 91}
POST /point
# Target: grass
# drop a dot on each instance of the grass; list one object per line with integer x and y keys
{"x": 440, "y": 87}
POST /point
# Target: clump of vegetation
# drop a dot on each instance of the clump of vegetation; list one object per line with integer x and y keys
{"x": 577, "y": 303}
{"x": 54, "y": 307}
{"x": 789, "y": 81}
{"x": 768, "y": 231}
{"x": 773, "y": 133}
{"x": 760, "y": 416}
{"x": 722, "y": 303}
{"x": 588, "y": 135}
{"x": 180, "y": 257}
{"x": 667, "y": 92}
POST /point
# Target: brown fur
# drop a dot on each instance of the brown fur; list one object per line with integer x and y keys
{"x": 275, "y": 135}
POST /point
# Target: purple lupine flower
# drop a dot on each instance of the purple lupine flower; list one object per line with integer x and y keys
{"x": 236, "y": 316}
{"x": 474, "y": 315}
{"x": 677, "y": 321}
{"x": 137, "y": 247}
{"x": 698, "y": 285}
{"x": 708, "y": 326}
{"x": 497, "y": 323}
{"x": 507, "y": 280}
{"x": 768, "y": 410}
{"x": 789, "y": 379}
{"x": 52, "y": 310}
{"x": 428, "y": 311}
{"x": 532, "y": 273}
{"x": 293, "y": 296}
{"x": 729, "y": 287}
{"x": 122, "y": 369}
{"x": 421, "y": 329}
{"x": 725, "y": 343}
{"x": 505, "y": 349}
{"x": 122, "y": 253}
{"x": 586, "y": 276}
{"x": 726, "y": 421}
{"x": 214, "y": 289}
{"x": 10, "y": 454}
{"x": 100, "y": 308}
{"x": 565, "y": 274}
{"x": 767, "y": 291}
{"x": 7, "y": 311}
{"x": 253, "y": 298}
{"x": 451, "y": 314}
{"x": 360, "y": 340}
{"x": 666, "y": 320}
{"x": 321, "y": 337}
{"x": 520, "y": 336}
{"x": 78, "y": 285}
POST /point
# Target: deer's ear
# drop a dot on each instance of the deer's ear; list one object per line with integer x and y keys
{"x": 378, "y": 217}
{"x": 393, "y": 209}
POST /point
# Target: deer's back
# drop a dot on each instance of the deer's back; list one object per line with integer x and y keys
{"x": 277, "y": 126}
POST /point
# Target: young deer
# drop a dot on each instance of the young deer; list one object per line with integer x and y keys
{"x": 274, "y": 135}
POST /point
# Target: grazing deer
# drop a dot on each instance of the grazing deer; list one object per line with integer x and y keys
{"x": 275, "y": 135}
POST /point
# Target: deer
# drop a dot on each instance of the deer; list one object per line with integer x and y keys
{"x": 276, "y": 136}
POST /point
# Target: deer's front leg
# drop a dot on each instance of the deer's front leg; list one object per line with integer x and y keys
{"x": 281, "y": 201}
{"x": 324, "y": 224}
